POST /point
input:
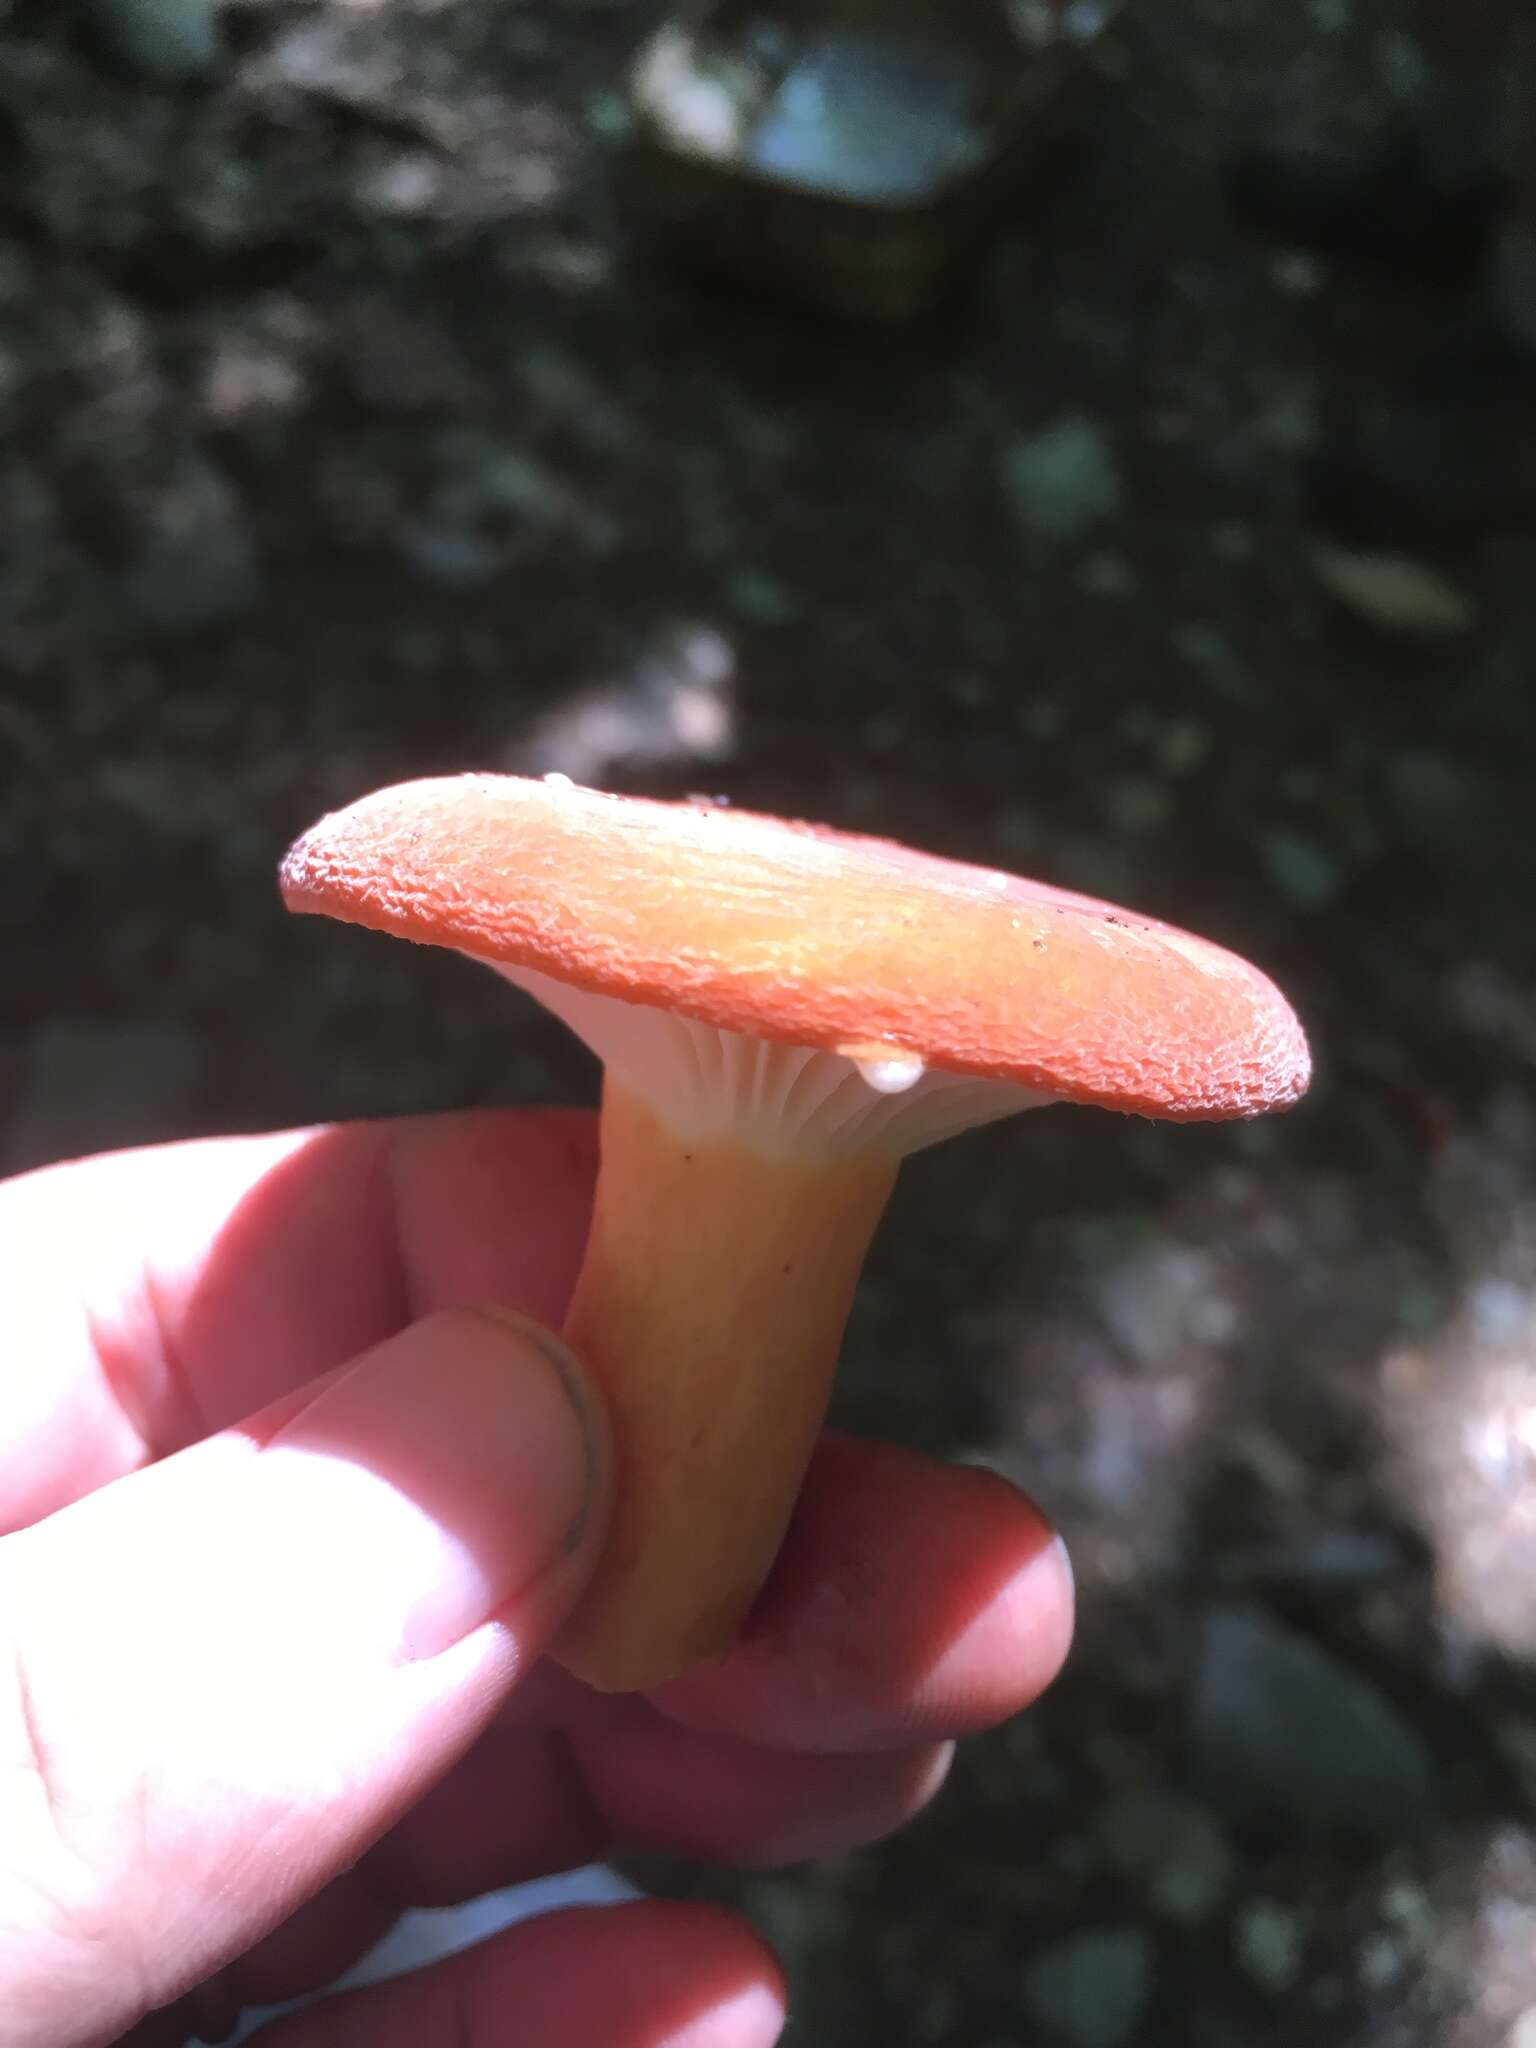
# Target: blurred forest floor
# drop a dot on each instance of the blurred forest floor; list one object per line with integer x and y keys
{"x": 345, "y": 439}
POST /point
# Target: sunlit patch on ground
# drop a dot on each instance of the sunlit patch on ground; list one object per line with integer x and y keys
{"x": 1187, "y": 1377}
{"x": 1459, "y": 1409}
{"x": 675, "y": 707}
{"x": 1485, "y": 1946}
{"x": 1107, "y": 1403}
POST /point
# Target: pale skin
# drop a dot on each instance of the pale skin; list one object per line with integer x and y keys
{"x": 282, "y": 1541}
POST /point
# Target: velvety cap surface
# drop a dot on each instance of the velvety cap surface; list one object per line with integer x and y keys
{"x": 811, "y": 937}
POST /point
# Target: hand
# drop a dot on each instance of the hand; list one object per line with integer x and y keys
{"x": 283, "y": 1533}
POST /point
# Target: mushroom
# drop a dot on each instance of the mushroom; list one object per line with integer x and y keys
{"x": 782, "y": 1011}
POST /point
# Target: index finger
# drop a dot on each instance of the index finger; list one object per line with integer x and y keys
{"x": 148, "y": 1298}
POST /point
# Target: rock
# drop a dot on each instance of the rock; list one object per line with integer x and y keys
{"x": 1165, "y": 1300}
{"x": 196, "y": 567}
{"x": 1297, "y": 274}
{"x": 456, "y": 556}
{"x": 488, "y": 486}
{"x": 1233, "y": 540}
{"x": 1411, "y": 1911}
{"x": 1302, "y": 871}
{"x": 488, "y": 500}
{"x": 1268, "y": 1942}
{"x": 1063, "y": 481}
{"x": 1183, "y": 746}
{"x": 407, "y": 185}
{"x": 168, "y": 40}
{"x": 88, "y": 1086}
{"x": 32, "y": 523}
{"x": 1288, "y": 422}
{"x": 1203, "y": 645}
{"x": 762, "y": 599}
{"x": 1215, "y": 659}
{"x": 1135, "y": 804}
{"x": 1173, "y": 1849}
{"x": 248, "y": 382}
{"x": 1327, "y": 1557}
{"x": 186, "y": 798}
{"x": 1394, "y": 592}
{"x": 676, "y": 705}
{"x": 609, "y": 116}
{"x": 401, "y": 360}
{"x": 1432, "y": 793}
{"x": 1283, "y": 1735}
{"x": 1107, "y": 574}
{"x": 698, "y": 105}
{"x": 563, "y": 387}
{"x": 1092, "y": 1990}
{"x": 1381, "y": 1961}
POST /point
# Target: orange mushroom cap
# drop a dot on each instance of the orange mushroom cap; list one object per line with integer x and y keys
{"x": 804, "y": 935}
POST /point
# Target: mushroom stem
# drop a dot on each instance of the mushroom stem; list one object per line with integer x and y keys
{"x": 711, "y": 1306}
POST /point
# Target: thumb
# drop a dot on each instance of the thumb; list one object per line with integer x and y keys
{"x": 224, "y": 1676}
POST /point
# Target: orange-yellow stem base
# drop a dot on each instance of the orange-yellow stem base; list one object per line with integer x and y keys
{"x": 711, "y": 1307}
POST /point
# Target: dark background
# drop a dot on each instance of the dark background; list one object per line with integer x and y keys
{"x": 345, "y": 438}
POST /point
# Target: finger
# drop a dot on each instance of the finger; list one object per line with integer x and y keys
{"x": 862, "y": 1640}
{"x": 516, "y": 1808}
{"x": 911, "y": 1602}
{"x": 513, "y": 1809}
{"x": 649, "y": 1975}
{"x": 660, "y": 1786}
{"x": 149, "y": 1298}
{"x": 522, "y": 1806}
{"x": 328, "y": 1935}
{"x": 235, "y": 1670}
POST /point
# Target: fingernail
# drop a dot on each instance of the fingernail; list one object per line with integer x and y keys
{"x": 469, "y": 1456}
